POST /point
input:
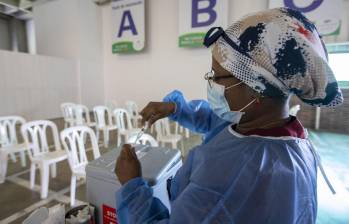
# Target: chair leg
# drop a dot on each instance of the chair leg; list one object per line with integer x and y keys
{"x": 126, "y": 138}
{"x": 72, "y": 190}
{"x": 187, "y": 134}
{"x": 85, "y": 138}
{"x": 182, "y": 146}
{"x": 3, "y": 166}
{"x": 119, "y": 139}
{"x": 23, "y": 159}
{"x": 133, "y": 121}
{"x": 13, "y": 157}
{"x": 44, "y": 172}
{"x": 54, "y": 170}
{"x": 32, "y": 175}
{"x": 97, "y": 134}
{"x": 106, "y": 138}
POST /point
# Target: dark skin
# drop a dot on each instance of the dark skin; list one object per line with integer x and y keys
{"x": 127, "y": 165}
{"x": 264, "y": 113}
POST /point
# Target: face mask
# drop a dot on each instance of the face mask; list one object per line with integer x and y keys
{"x": 219, "y": 104}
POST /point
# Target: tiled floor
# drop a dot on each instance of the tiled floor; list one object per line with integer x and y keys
{"x": 17, "y": 200}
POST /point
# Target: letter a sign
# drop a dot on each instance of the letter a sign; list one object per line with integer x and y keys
{"x": 197, "y": 16}
{"x": 128, "y": 26}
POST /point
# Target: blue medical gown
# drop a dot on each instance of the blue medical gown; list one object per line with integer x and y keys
{"x": 229, "y": 179}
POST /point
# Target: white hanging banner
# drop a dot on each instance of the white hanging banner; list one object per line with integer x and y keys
{"x": 326, "y": 14}
{"x": 128, "y": 26}
{"x": 197, "y": 16}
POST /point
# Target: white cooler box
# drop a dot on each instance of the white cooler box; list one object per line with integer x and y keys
{"x": 158, "y": 165}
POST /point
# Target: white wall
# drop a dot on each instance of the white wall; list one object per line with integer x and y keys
{"x": 90, "y": 53}
{"x": 34, "y": 86}
{"x": 56, "y": 24}
{"x": 72, "y": 29}
{"x": 163, "y": 66}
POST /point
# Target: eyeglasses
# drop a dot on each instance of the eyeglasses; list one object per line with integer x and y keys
{"x": 211, "y": 77}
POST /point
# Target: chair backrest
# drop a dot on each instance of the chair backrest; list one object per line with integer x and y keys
{"x": 111, "y": 104}
{"x": 67, "y": 111}
{"x": 73, "y": 140}
{"x": 102, "y": 116}
{"x": 35, "y": 136}
{"x": 145, "y": 139}
{"x": 132, "y": 108}
{"x": 162, "y": 128}
{"x": 178, "y": 128}
{"x": 81, "y": 115}
{"x": 123, "y": 120}
{"x": 8, "y": 132}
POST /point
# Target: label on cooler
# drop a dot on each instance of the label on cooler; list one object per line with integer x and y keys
{"x": 109, "y": 215}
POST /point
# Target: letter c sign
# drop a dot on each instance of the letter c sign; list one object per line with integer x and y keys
{"x": 314, "y": 5}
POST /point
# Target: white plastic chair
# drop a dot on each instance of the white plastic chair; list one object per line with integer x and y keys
{"x": 294, "y": 110}
{"x": 111, "y": 104}
{"x": 132, "y": 108}
{"x": 73, "y": 141}
{"x": 124, "y": 124}
{"x": 35, "y": 136}
{"x": 82, "y": 116}
{"x": 145, "y": 139}
{"x": 164, "y": 135}
{"x": 181, "y": 129}
{"x": 104, "y": 122}
{"x": 68, "y": 114}
{"x": 9, "y": 144}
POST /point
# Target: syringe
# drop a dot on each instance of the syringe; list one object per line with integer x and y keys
{"x": 139, "y": 135}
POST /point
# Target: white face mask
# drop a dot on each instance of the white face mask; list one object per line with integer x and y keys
{"x": 219, "y": 104}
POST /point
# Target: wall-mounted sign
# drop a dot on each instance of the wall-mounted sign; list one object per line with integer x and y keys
{"x": 128, "y": 26}
{"x": 326, "y": 14}
{"x": 197, "y": 16}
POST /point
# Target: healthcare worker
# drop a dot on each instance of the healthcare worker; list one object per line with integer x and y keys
{"x": 256, "y": 164}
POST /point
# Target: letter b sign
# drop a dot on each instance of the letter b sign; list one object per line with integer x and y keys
{"x": 203, "y": 7}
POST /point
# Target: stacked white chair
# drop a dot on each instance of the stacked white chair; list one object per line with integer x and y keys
{"x": 35, "y": 136}
{"x": 104, "y": 122}
{"x": 124, "y": 124}
{"x": 68, "y": 114}
{"x": 9, "y": 144}
{"x": 132, "y": 108}
{"x": 73, "y": 141}
{"x": 82, "y": 116}
{"x": 145, "y": 139}
{"x": 164, "y": 135}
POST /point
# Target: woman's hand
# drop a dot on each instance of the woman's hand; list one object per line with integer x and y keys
{"x": 157, "y": 110}
{"x": 127, "y": 165}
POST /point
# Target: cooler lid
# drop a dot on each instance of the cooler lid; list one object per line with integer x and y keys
{"x": 156, "y": 162}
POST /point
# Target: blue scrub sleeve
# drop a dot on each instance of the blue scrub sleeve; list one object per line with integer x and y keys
{"x": 195, "y": 115}
{"x": 135, "y": 204}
